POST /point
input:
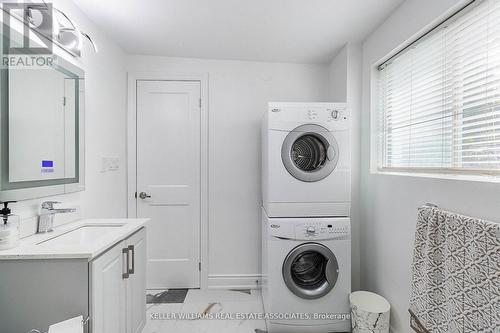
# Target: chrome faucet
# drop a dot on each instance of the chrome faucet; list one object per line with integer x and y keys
{"x": 47, "y": 213}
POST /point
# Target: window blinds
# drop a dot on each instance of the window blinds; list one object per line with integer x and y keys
{"x": 440, "y": 97}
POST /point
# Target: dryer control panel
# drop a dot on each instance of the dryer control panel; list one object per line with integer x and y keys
{"x": 333, "y": 113}
{"x": 287, "y": 116}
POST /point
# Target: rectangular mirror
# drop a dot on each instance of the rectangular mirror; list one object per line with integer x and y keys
{"x": 41, "y": 129}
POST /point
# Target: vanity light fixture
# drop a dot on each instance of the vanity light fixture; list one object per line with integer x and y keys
{"x": 65, "y": 33}
{"x": 68, "y": 35}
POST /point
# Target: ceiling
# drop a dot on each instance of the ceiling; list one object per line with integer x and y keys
{"x": 300, "y": 31}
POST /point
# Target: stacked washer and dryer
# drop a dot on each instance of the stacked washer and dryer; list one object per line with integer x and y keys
{"x": 306, "y": 247}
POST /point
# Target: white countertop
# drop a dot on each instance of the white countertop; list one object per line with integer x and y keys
{"x": 40, "y": 246}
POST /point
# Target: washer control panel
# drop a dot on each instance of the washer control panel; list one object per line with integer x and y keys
{"x": 321, "y": 229}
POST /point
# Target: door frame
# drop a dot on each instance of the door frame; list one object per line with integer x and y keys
{"x": 132, "y": 78}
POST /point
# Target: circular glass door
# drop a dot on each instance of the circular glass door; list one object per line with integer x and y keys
{"x": 310, "y": 153}
{"x": 310, "y": 270}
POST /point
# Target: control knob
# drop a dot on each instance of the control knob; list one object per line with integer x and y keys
{"x": 335, "y": 114}
{"x": 311, "y": 230}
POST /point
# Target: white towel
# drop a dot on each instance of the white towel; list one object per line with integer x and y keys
{"x": 456, "y": 274}
{"x": 73, "y": 325}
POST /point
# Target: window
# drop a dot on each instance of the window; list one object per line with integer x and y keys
{"x": 439, "y": 98}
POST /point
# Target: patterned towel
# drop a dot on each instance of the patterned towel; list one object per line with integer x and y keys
{"x": 455, "y": 274}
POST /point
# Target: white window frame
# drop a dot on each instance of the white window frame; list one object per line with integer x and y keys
{"x": 376, "y": 140}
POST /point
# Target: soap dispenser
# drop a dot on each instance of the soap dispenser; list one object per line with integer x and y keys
{"x": 9, "y": 227}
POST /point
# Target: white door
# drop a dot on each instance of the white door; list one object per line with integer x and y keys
{"x": 136, "y": 283}
{"x": 109, "y": 292}
{"x": 168, "y": 180}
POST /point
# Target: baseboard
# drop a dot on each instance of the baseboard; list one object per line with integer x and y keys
{"x": 234, "y": 281}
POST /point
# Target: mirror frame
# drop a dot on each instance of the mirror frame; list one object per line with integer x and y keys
{"x": 52, "y": 187}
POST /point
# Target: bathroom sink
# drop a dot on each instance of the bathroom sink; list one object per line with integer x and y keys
{"x": 82, "y": 235}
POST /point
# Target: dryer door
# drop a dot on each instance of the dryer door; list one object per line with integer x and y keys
{"x": 310, "y": 270}
{"x": 310, "y": 153}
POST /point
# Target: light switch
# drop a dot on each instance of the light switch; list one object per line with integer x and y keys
{"x": 110, "y": 164}
{"x": 114, "y": 164}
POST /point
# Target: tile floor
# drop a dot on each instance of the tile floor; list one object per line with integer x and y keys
{"x": 227, "y": 304}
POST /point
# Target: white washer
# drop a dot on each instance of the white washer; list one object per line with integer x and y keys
{"x": 306, "y": 270}
{"x": 306, "y": 162}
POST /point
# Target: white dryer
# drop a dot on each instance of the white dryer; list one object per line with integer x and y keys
{"x": 306, "y": 162}
{"x": 306, "y": 274}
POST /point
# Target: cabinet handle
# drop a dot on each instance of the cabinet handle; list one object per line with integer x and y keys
{"x": 126, "y": 274}
{"x": 132, "y": 248}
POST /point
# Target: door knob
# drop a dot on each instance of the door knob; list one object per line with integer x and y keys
{"x": 144, "y": 195}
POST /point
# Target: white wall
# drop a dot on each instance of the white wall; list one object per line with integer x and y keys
{"x": 105, "y": 124}
{"x": 345, "y": 72}
{"x": 238, "y": 96}
{"x": 337, "y": 71}
{"x": 389, "y": 202}
{"x": 353, "y": 97}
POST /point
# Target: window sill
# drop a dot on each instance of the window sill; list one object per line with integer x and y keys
{"x": 484, "y": 178}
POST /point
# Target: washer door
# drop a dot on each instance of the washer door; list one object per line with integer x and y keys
{"x": 310, "y": 153}
{"x": 310, "y": 270}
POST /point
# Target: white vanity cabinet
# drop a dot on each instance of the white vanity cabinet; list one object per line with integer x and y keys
{"x": 52, "y": 277}
{"x": 136, "y": 284}
{"x": 108, "y": 292}
{"x": 118, "y": 287}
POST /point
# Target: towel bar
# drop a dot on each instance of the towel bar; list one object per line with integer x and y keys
{"x": 428, "y": 204}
